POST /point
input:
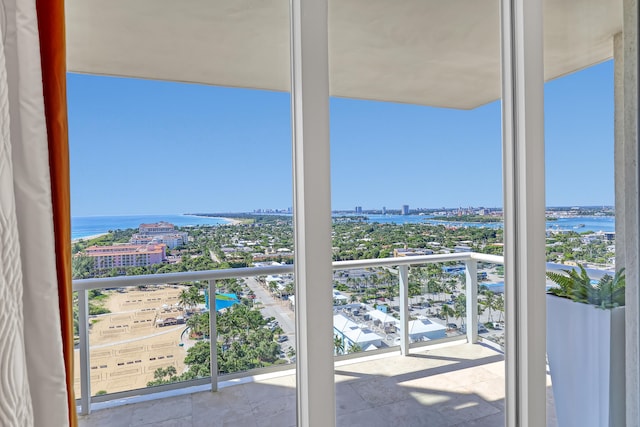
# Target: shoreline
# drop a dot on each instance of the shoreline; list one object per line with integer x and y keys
{"x": 229, "y": 221}
{"x": 92, "y": 236}
{"x": 232, "y": 221}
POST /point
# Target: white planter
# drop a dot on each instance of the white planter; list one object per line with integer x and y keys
{"x": 586, "y": 351}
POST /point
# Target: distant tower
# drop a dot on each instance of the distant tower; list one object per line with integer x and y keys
{"x": 358, "y": 209}
{"x": 405, "y": 209}
{"x": 384, "y": 210}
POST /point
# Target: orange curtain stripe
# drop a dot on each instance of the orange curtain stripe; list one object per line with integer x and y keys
{"x": 51, "y": 26}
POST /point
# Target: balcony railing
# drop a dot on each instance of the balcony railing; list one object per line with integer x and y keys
{"x": 402, "y": 264}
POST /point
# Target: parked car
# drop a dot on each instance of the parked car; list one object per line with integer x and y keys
{"x": 283, "y": 338}
{"x": 481, "y": 329}
{"x": 452, "y": 326}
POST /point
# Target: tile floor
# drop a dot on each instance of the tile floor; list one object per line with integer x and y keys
{"x": 459, "y": 385}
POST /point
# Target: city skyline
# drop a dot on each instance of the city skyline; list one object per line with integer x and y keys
{"x": 148, "y": 147}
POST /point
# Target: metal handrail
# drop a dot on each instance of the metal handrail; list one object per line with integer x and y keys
{"x": 229, "y": 273}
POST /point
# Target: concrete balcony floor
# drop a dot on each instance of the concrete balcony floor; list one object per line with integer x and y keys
{"x": 452, "y": 385}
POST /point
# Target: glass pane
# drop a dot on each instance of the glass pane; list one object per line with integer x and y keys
{"x": 416, "y": 178}
{"x": 174, "y": 177}
{"x": 581, "y": 227}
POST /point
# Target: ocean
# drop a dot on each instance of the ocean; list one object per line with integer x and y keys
{"x": 83, "y": 226}
{"x": 92, "y": 225}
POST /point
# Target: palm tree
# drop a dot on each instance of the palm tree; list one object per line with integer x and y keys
{"x": 460, "y": 308}
{"x": 489, "y": 302}
{"x": 194, "y": 324}
{"x": 432, "y": 287}
{"x": 184, "y": 299}
{"x": 273, "y": 287}
{"x": 447, "y": 311}
{"x": 290, "y": 289}
{"x": 354, "y": 348}
{"x": 338, "y": 344}
{"x": 195, "y": 297}
{"x": 499, "y": 306}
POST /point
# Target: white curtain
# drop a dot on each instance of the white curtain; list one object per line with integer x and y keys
{"x": 32, "y": 375}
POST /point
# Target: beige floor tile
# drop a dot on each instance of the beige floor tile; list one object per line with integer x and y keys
{"x": 492, "y": 390}
{"x": 465, "y": 407}
{"x": 380, "y": 391}
{"x": 156, "y": 411}
{"x": 348, "y": 400}
{"x": 460, "y": 385}
{"x": 181, "y": 422}
{"x": 119, "y": 416}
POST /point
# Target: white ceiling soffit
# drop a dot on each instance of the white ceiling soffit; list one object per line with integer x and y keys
{"x": 443, "y": 53}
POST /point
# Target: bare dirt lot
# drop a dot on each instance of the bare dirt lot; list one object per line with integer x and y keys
{"x": 127, "y": 345}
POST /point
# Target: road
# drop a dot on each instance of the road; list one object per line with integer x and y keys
{"x": 273, "y": 307}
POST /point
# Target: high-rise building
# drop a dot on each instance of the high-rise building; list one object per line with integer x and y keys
{"x": 358, "y": 209}
{"x": 405, "y": 209}
{"x": 384, "y": 210}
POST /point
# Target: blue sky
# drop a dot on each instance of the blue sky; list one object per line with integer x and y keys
{"x": 147, "y": 147}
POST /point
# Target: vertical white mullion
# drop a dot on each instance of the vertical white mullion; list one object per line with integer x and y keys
{"x": 312, "y": 212}
{"x": 524, "y": 211}
{"x": 628, "y": 184}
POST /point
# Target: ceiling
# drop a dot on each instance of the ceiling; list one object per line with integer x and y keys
{"x": 443, "y": 53}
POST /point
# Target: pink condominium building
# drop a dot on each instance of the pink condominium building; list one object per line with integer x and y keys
{"x": 127, "y": 255}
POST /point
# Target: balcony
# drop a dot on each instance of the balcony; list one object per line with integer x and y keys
{"x": 447, "y": 385}
{"x": 455, "y": 380}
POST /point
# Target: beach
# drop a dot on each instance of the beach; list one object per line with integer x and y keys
{"x": 92, "y": 226}
{"x": 233, "y": 221}
{"x": 94, "y": 236}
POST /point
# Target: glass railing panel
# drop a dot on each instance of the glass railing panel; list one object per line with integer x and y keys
{"x": 437, "y": 296}
{"x": 366, "y": 309}
{"x": 77, "y": 389}
{"x": 491, "y": 310}
{"x": 139, "y": 336}
{"x": 258, "y": 331}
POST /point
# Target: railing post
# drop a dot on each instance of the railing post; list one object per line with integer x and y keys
{"x": 471, "y": 272}
{"x": 213, "y": 336}
{"x": 83, "y": 331}
{"x": 403, "y": 275}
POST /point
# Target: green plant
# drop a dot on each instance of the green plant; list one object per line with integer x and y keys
{"x": 576, "y": 285}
